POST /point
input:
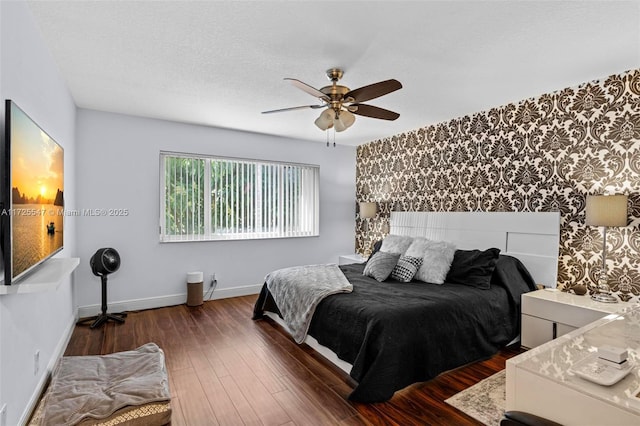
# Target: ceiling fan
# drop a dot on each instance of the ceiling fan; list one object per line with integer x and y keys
{"x": 342, "y": 103}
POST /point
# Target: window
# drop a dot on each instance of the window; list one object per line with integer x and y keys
{"x": 215, "y": 198}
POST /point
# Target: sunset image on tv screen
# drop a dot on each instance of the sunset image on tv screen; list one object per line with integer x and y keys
{"x": 37, "y": 185}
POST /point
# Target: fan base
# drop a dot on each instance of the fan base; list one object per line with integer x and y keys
{"x": 334, "y": 74}
{"x": 98, "y": 320}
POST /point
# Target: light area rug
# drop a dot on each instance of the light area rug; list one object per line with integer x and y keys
{"x": 484, "y": 401}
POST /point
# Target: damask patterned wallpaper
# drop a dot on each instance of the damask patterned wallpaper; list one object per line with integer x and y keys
{"x": 542, "y": 154}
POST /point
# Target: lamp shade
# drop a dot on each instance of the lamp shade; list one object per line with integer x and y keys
{"x": 344, "y": 120}
{"x": 368, "y": 210}
{"x": 325, "y": 120}
{"x": 607, "y": 210}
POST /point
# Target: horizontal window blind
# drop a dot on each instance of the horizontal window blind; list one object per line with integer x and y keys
{"x": 213, "y": 198}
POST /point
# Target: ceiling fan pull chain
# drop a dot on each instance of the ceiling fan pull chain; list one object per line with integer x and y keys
{"x": 334, "y": 137}
{"x": 327, "y": 132}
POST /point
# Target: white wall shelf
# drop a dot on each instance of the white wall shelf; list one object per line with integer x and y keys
{"x": 47, "y": 277}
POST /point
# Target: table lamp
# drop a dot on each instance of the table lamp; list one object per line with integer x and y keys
{"x": 605, "y": 211}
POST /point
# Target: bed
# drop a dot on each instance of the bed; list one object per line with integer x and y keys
{"x": 388, "y": 335}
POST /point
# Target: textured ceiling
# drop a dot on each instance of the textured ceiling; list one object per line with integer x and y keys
{"x": 220, "y": 63}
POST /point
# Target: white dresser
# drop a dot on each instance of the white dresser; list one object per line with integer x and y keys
{"x": 541, "y": 382}
{"x": 547, "y": 314}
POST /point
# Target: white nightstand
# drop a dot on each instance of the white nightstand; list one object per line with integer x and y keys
{"x": 346, "y": 259}
{"x": 549, "y": 314}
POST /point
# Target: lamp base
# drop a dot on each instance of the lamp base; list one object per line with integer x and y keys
{"x": 604, "y": 298}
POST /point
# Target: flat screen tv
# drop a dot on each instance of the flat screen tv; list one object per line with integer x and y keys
{"x": 32, "y": 188}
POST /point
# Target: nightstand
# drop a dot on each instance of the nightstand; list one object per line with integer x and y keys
{"x": 547, "y": 314}
{"x": 346, "y": 259}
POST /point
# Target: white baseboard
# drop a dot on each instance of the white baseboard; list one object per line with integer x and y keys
{"x": 225, "y": 293}
{"x": 57, "y": 354}
{"x": 169, "y": 300}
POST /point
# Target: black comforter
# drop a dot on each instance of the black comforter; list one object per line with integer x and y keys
{"x": 395, "y": 334}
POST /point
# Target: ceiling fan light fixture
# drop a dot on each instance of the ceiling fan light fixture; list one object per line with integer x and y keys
{"x": 325, "y": 120}
{"x": 344, "y": 120}
{"x": 342, "y": 103}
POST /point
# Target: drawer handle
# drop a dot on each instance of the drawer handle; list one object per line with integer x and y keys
{"x": 555, "y": 330}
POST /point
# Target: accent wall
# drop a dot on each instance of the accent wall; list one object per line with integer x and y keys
{"x": 541, "y": 154}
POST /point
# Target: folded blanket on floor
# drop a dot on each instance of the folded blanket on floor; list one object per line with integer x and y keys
{"x": 298, "y": 290}
{"x": 97, "y": 386}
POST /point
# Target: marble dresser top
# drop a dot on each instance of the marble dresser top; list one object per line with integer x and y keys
{"x": 554, "y": 359}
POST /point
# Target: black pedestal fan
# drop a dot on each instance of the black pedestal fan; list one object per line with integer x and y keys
{"x": 104, "y": 262}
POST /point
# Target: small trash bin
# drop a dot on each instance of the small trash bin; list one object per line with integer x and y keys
{"x": 194, "y": 288}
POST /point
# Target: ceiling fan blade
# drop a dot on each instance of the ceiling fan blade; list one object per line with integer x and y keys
{"x": 294, "y": 108}
{"x": 373, "y": 91}
{"x": 310, "y": 90}
{"x": 373, "y": 112}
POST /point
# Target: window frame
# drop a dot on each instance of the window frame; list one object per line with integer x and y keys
{"x": 312, "y": 219}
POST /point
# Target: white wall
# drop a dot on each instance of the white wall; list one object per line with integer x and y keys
{"x": 30, "y": 322}
{"x": 118, "y": 162}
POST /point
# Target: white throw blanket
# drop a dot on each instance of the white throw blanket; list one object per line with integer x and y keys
{"x": 298, "y": 290}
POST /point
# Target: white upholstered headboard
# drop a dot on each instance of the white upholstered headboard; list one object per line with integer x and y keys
{"x": 533, "y": 238}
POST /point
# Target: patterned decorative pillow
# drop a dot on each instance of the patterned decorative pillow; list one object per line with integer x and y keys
{"x": 406, "y": 268}
{"x": 380, "y": 265}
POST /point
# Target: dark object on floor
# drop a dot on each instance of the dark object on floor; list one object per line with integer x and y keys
{"x": 104, "y": 262}
{"x": 519, "y": 418}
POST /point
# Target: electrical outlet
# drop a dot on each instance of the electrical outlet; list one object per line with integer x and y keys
{"x": 36, "y": 363}
{"x": 3, "y": 415}
{"x": 213, "y": 280}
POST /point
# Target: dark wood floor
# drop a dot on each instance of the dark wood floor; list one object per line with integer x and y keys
{"x": 226, "y": 369}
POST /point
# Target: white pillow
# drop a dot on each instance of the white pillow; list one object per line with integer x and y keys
{"x": 418, "y": 247}
{"x": 436, "y": 261}
{"x": 396, "y": 243}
